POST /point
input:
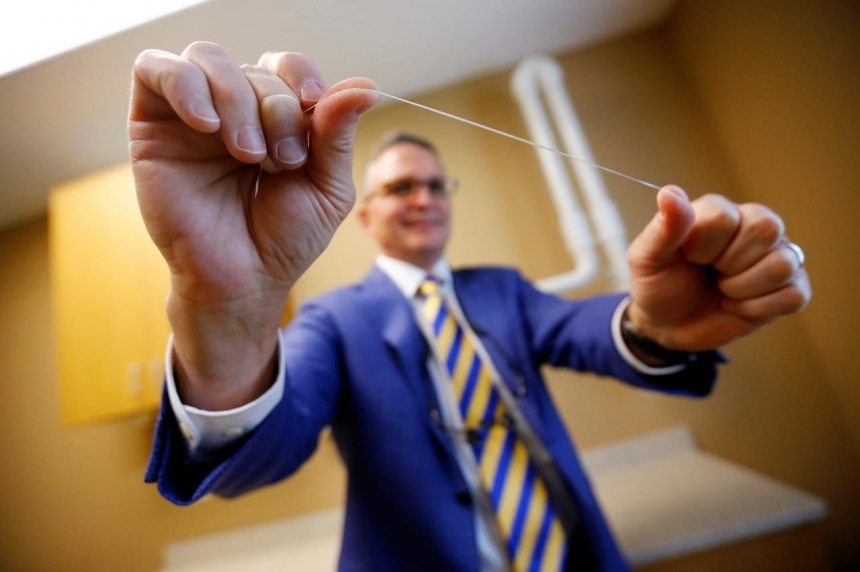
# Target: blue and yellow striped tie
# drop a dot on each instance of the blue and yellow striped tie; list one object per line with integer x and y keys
{"x": 534, "y": 536}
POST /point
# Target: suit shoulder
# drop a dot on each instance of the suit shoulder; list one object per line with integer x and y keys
{"x": 333, "y": 299}
{"x": 489, "y": 274}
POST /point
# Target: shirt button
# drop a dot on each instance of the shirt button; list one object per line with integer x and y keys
{"x": 187, "y": 433}
{"x": 233, "y": 432}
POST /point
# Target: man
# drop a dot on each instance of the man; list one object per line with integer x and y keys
{"x": 380, "y": 361}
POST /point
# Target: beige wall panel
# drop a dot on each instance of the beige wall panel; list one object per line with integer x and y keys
{"x": 780, "y": 84}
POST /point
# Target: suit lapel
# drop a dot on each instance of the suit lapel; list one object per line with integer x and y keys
{"x": 392, "y": 315}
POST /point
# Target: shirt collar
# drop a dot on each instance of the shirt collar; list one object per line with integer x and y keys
{"x": 408, "y": 277}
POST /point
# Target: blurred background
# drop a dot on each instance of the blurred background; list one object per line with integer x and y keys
{"x": 759, "y": 101}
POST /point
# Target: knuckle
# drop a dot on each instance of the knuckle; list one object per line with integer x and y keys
{"x": 293, "y": 57}
{"x": 290, "y": 63}
{"x": 780, "y": 272}
{"x": 203, "y": 49}
{"x": 146, "y": 56}
{"x": 252, "y": 70}
{"x": 762, "y": 224}
{"x": 718, "y": 212}
{"x": 285, "y": 60}
{"x": 794, "y": 299}
{"x": 725, "y": 220}
{"x": 718, "y": 201}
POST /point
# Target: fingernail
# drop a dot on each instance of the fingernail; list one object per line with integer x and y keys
{"x": 676, "y": 190}
{"x": 310, "y": 90}
{"x": 250, "y": 140}
{"x": 371, "y": 102}
{"x": 205, "y": 112}
{"x": 291, "y": 151}
{"x": 279, "y": 97}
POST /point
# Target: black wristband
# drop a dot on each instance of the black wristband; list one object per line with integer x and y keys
{"x": 648, "y": 346}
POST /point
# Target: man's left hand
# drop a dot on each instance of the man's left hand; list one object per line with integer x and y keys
{"x": 706, "y": 272}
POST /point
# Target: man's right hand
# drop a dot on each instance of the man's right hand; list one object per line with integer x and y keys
{"x": 199, "y": 126}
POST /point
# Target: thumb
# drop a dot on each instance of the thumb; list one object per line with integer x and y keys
{"x": 661, "y": 240}
{"x": 333, "y": 125}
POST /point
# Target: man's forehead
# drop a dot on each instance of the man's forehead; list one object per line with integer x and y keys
{"x": 402, "y": 160}
{"x": 407, "y": 156}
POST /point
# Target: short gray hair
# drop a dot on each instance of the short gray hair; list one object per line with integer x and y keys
{"x": 398, "y": 137}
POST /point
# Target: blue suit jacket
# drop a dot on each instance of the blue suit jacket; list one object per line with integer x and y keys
{"x": 357, "y": 361}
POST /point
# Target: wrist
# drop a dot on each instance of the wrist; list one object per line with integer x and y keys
{"x": 645, "y": 347}
{"x": 223, "y": 358}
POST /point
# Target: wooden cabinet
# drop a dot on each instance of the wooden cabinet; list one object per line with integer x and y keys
{"x": 109, "y": 285}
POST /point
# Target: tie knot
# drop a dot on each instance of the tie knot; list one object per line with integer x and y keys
{"x": 430, "y": 286}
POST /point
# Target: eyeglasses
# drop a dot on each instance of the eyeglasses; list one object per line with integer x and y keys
{"x": 405, "y": 188}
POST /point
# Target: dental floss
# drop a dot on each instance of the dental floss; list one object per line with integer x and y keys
{"x": 269, "y": 167}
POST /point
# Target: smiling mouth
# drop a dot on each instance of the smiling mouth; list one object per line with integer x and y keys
{"x": 424, "y": 224}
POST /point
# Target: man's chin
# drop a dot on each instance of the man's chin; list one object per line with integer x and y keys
{"x": 424, "y": 253}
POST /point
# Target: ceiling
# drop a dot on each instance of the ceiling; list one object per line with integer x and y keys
{"x": 65, "y": 117}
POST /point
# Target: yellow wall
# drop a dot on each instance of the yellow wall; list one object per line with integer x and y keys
{"x": 780, "y": 82}
{"x": 72, "y": 499}
{"x": 782, "y": 88}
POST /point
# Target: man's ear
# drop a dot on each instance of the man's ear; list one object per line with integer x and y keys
{"x": 364, "y": 217}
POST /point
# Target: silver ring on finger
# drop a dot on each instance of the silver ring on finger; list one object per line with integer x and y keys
{"x": 801, "y": 257}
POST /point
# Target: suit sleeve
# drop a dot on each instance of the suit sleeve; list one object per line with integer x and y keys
{"x": 284, "y": 440}
{"x": 577, "y": 334}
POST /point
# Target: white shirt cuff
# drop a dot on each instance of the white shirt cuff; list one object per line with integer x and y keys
{"x": 211, "y": 431}
{"x": 625, "y": 352}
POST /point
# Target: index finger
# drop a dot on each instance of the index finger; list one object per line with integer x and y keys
{"x": 165, "y": 85}
{"x": 717, "y": 221}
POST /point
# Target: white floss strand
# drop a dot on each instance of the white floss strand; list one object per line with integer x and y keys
{"x": 269, "y": 167}
{"x": 515, "y": 138}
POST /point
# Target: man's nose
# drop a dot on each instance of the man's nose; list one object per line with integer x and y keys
{"x": 421, "y": 193}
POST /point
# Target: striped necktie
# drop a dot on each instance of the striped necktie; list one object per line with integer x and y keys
{"x": 534, "y": 536}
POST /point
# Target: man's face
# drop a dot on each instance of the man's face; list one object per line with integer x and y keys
{"x": 402, "y": 212}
